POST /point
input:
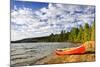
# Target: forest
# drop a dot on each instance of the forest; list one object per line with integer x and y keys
{"x": 81, "y": 34}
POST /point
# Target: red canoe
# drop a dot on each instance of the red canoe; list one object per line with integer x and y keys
{"x": 75, "y": 50}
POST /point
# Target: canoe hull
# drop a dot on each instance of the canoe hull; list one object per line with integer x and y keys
{"x": 77, "y": 50}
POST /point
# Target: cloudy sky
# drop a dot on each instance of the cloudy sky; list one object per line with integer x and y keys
{"x": 36, "y": 19}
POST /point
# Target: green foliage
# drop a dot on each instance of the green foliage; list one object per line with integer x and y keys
{"x": 93, "y": 32}
{"x": 80, "y": 37}
{"x": 87, "y": 31}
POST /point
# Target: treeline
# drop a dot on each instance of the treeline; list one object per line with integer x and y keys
{"x": 81, "y": 34}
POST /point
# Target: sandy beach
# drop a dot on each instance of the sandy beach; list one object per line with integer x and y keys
{"x": 55, "y": 59}
{"x": 87, "y": 56}
{"x": 31, "y": 54}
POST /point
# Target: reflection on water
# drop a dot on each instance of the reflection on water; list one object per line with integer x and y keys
{"x": 29, "y": 53}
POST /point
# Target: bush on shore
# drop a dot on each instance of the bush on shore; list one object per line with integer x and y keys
{"x": 89, "y": 46}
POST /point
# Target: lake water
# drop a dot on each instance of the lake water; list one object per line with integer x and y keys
{"x": 30, "y": 53}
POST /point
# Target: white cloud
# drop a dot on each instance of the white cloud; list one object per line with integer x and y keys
{"x": 28, "y": 23}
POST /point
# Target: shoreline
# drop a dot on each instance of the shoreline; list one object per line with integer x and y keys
{"x": 52, "y": 58}
{"x": 88, "y": 56}
{"x": 55, "y": 59}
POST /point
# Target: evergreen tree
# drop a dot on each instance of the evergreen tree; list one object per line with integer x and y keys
{"x": 74, "y": 34}
{"x": 80, "y": 35}
{"x": 93, "y": 32}
{"x": 86, "y": 32}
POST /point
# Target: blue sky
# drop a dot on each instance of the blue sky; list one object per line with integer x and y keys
{"x": 36, "y": 19}
{"x": 28, "y": 4}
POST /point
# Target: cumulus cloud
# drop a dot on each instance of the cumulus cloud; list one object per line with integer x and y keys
{"x": 26, "y": 22}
